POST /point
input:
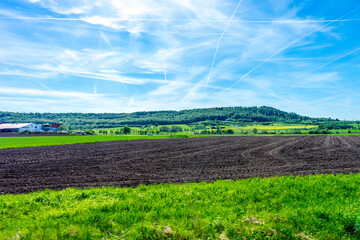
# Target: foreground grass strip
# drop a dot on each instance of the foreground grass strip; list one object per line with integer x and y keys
{"x": 312, "y": 207}
{"x": 21, "y": 142}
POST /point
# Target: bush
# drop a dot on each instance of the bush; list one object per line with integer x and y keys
{"x": 127, "y": 130}
{"x": 230, "y": 131}
{"x": 164, "y": 129}
{"x": 179, "y": 136}
{"x": 26, "y": 132}
{"x": 89, "y": 132}
{"x": 295, "y": 131}
{"x": 314, "y": 132}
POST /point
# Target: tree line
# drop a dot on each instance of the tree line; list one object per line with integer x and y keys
{"x": 220, "y": 115}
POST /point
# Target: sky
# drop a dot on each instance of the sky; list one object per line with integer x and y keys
{"x": 299, "y": 56}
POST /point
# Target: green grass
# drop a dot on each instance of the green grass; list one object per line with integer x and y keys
{"x": 20, "y": 142}
{"x": 313, "y": 207}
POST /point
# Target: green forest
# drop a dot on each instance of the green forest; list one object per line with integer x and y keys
{"x": 220, "y": 115}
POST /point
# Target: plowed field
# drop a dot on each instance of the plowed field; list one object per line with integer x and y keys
{"x": 130, "y": 163}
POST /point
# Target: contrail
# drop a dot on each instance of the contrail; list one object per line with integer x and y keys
{"x": 286, "y": 47}
{"x": 95, "y": 90}
{"x": 185, "y": 20}
{"x": 106, "y": 39}
{"x": 333, "y": 60}
{"x": 165, "y": 68}
{"x": 218, "y": 43}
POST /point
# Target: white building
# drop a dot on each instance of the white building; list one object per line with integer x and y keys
{"x": 20, "y": 127}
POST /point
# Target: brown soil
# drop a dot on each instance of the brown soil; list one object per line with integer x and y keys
{"x": 179, "y": 160}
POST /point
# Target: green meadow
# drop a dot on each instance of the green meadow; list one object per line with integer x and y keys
{"x": 311, "y": 207}
{"x": 20, "y": 142}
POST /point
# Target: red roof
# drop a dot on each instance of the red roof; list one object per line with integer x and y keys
{"x": 56, "y": 125}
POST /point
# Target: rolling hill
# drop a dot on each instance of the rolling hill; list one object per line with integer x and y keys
{"x": 219, "y": 115}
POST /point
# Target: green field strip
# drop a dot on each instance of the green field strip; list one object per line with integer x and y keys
{"x": 312, "y": 207}
{"x": 21, "y": 142}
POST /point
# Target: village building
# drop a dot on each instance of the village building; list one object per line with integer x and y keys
{"x": 48, "y": 128}
{"x": 20, "y": 127}
{"x": 51, "y": 128}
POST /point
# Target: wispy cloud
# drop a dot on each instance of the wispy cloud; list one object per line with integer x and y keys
{"x": 218, "y": 42}
{"x": 42, "y": 93}
{"x": 329, "y": 62}
{"x": 111, "y": 76}
{"x": 287, "y": 46}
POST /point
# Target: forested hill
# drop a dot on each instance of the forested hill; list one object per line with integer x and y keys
{"x": 236, "y": 115}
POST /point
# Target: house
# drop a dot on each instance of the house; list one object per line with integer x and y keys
{"x": 20, "y": 127}
{"x": 51, "y": 128}
{"x": 48, "y": 128}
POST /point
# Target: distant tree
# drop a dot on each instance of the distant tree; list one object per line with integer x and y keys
{"x": 255, "y": 131}
{"x": 164, "y": 129}
{"x": 176, "y": 129}
{"x": 127, "y": 130}
{"x": 230, "y": 131}
{"x": 63, "y": 127}
{"x": 89, "y": 132}
{"x": 323, "y": 131}
{"x": 295, "y": 131}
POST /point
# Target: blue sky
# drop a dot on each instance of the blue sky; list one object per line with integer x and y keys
{"x": 140, "y": 55}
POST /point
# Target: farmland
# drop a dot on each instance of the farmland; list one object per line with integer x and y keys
{"x": 177, "y": 160}
{"x": 287, "y": 207}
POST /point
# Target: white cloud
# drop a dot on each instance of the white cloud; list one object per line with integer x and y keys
{"x": 48, "y": 93}
{"x": 169, "y": 88}
{"x": 66, "y": 6}
{"x": 110, "y": 76}
{"x": 322, "y": 77}
{"x": 323, "y": 80}
{"x": 103, "y": 21}
{"x": 33, "y": 74}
